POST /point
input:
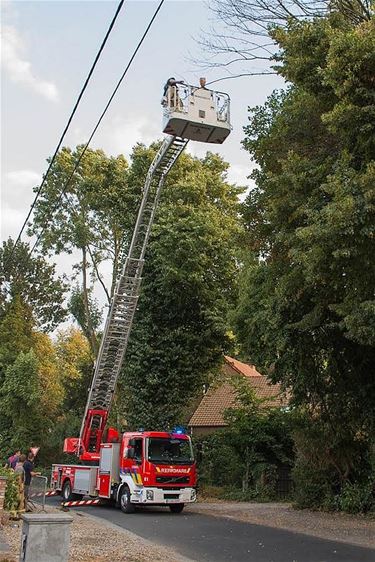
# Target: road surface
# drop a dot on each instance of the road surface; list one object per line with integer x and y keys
{"x": 204, "y": 538}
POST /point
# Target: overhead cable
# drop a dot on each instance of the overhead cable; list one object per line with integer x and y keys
{"x": 63, "y": 191}
{"x": 39, "y": 190}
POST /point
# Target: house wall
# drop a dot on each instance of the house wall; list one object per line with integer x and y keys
{"x": 201, "y": 431}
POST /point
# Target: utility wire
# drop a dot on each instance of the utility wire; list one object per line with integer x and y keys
{"x": 67, "y": 125}
{"x": 100, "y": 119}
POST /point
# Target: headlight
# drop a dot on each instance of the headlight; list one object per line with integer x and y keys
{"x": 149, "y": 494}
{"x": 193, "y": 495}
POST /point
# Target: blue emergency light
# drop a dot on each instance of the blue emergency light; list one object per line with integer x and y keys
{"x": 179, "y": 430}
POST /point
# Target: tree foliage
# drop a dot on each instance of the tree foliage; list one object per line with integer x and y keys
{"x": 255, "y": 444}
{"x": 189, "y": 283}
{"x": 31, "y": 278}
{"x": 306, "y": 311}
{"x": 43, "y": 384}
{"x": 89, "y": 211}
{"x": 20, "y": 403}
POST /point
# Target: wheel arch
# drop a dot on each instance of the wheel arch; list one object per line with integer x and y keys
{"x": 121, "y": 486}
{"x": 65, "y": 480}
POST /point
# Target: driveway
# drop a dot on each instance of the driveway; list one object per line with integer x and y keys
{"x": 202, "y": 538}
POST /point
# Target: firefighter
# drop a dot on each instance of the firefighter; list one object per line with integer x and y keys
{"x": 174, "y": 98}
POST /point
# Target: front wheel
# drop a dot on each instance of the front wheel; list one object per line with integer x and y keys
{"x": 125, "y": 505}
{"x": 67, "y": 492}
{"x": 177, "y": 507}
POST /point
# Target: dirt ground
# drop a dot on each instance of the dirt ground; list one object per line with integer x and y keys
{"x": 95, "y": 540}
{"x": 353, "y": 529}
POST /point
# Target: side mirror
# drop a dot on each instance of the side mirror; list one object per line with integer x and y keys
{"x": 129, "y": 454}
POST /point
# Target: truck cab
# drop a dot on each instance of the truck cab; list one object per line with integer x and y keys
{"x": 156, "y": 468}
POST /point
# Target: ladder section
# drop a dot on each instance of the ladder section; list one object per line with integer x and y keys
{"x": 124, "y": 302}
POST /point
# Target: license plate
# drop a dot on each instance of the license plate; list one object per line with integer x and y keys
{"x": 173, "y": 501}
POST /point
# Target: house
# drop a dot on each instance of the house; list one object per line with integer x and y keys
{"x": 209, "y": 414}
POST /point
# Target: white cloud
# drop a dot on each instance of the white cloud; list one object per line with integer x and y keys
{"x": 238, "y": 173}
{"x": 16, "y": 197}
{"x": 122, "y": 133}
{"x": 20, "y": 69}
{"x": 23, "y": 178}
{"x": 10, "y": 222}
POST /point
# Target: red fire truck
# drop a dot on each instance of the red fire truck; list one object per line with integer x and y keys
{"x": 141, "y": 468}
{"x": 144, "y": 467}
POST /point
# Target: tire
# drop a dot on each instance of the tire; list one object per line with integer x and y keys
{"x": 68, "y": 494}
{"x": 66, "y": 491}
{"x": 124, "y": 501}
{"x": 177, "y": 507}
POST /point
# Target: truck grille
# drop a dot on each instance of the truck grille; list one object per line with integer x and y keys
{"x": 172, "y": 479}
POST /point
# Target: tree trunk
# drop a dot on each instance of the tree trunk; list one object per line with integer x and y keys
{"x": 245, "y": 478}
{"x": 91, "y": 336}
{"x": 115, "y": 263}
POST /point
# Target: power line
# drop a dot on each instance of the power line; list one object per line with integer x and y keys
{"x": 67, "y": 125}
{"x": 100, "y": 119}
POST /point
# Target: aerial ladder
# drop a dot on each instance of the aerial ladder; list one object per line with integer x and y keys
{"x": 190, "y": 113}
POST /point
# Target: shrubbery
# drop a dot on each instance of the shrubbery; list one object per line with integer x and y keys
{"x": 12, "y": 490}
{"x": 318, "y": 489}
{"x": 334, "y": 469}
{"x": 244, "y": 459}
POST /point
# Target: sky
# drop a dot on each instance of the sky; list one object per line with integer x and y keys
{"x": 47, "y": 50}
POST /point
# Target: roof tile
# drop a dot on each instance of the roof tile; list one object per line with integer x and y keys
{"x": 210, "y": 411}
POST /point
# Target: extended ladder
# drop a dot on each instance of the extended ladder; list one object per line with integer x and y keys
{"x": 124, "y": 301}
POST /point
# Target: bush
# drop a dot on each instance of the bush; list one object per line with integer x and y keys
{"x": 245, "y": 458}
{"x": 357, "y": 498}
{"x": 12, "y": 490}
{"x": 238, "y": 495}
{"x": 312, "y": 486}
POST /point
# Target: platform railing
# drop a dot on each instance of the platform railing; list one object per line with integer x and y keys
{"x": 180, "y": 96}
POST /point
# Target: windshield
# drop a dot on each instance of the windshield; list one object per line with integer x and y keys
{"x": 170, "y": 450}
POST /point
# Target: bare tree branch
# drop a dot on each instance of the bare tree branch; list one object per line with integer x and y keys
{"x": 242, "y": 27}
{"x": 241, "y": 75}
{"x": 98, "y": 276}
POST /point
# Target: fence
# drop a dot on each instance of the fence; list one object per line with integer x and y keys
{"x": 3, "y": 485}
{"x": 284, "y": 482}
{"x": 37, "y": 493}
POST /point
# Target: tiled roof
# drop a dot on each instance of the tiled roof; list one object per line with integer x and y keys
{"x": 242, "y": 368}
{"x": 210, "y": 411}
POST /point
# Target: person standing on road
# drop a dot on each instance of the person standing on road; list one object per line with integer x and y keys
{"x": 13, "y": 459}
{"x": 28, "y": 467}
{"x": 20, "y": 471}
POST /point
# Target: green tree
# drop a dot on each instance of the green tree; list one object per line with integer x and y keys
{"x": 20, "y": 396}
{"x": 248, "y": 453}
{"x": 189, "y": 283}
{"x": 75, "y": 363}
{"x": 16, "y": 332}
{"x": 306, "y": 308}
{"x": 260, "y": 436}
{"x": 88, "y": 211}
{"x": 32, "y": 279}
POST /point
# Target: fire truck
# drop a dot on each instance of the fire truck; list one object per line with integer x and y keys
{"x": 142, "y": 467}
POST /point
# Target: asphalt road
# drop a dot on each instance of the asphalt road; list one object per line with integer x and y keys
{"x": 204, "y": 538}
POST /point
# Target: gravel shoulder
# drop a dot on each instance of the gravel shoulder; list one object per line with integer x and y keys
{"x": 96, "y": 540}
{"x": 356, "y": 530}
